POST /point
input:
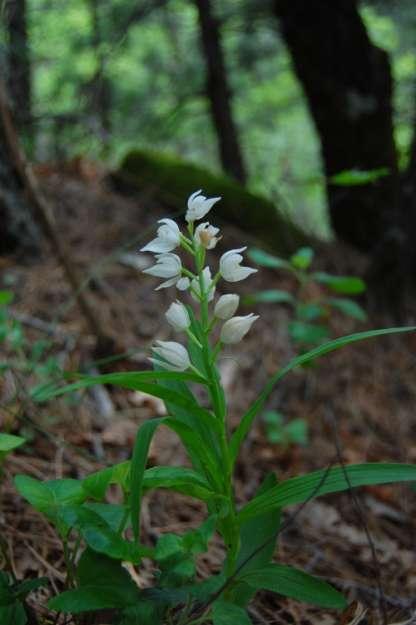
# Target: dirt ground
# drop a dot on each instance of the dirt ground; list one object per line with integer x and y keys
{"x": 358, "y": 403}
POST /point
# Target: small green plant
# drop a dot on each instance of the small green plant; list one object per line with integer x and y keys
{"x": 315, "y": 299}
{"x": 13, "y": 609}
{"x": 293, "y": 432}
{"x": 102, "y": 542}
{"x": 29, "y": 363}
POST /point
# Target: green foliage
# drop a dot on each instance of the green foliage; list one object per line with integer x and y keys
{"x": 102, "y": 542}
{"x": 12, "y": 598}
{"x": 295, "y": 432}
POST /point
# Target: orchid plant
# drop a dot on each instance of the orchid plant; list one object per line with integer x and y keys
{"x": 103, "y": 544}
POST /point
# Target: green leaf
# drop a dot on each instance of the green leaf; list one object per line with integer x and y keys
{"x": 358, "y": 177}
{"x": 348, "y": 285}
{"x": 255, "y": 532}
{"x": 307, "y": 333}
{"x": 132, "y": 380}
{"x": 98, "y": 535}
{"x": 103, "y": 583}
{"x": 271, "y": 296}
{"x": 138, "y": 465}
{"x": 310, "y": 311}
{"x": 348, "y": 307}
{"x": 302, "y": 488}
{"x": 6, "y": 298}
{"x": 14, "y": 614}
{"x": 267, "y": 260}
{"x": 247, "y": 420}
{"x": 29, "y": 585}
{"x": 225, "y": 613}
{"x": 8, "y": 442}
{"x": 145, "y": 613}
{"x": 96, "y": 484}
{"x": 112, "y": 514}
{"x": 180, "y": 479}
{"x": 296, "y": 584}
{"x": 302, "y": 258}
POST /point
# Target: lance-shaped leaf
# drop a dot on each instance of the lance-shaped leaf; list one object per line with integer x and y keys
{"x": 247, "y": 420}
{"x": 334, "y": 480}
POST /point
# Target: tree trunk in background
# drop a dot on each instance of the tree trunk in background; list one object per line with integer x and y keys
{"x": 19, "y": 64}
{"x": 18, "y": 231}
{"x": 348, "y": 86}
{"x": 219, "y": 93}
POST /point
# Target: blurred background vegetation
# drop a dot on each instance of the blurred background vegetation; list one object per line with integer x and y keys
{"x": 296, "y": 100}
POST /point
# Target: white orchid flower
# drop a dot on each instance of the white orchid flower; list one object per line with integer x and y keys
{"x": 178, "y": 316}
{"x": 226, "y": 306}
{"x": 174, "y": 356}
{"x": 167, "y": 266}
{"x": 230, "y": 267}
{"x": 236, "y": 328}
{"x": 207, "y": 280}
{"x": 168, "y": 237}
{"x": 199, "y": 206}
{"x": 205, "y": 235}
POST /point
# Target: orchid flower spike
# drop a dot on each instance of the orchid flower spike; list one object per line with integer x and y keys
{"x": 236, "y": 328}
{"x": 199, "y": 206}
{"x": 230, "y": 267}
{"x": 174, "y": 356}
{"x": 207, "y": 280}
{"x": 167, "y": 266}
{"x": 168, "y": 237}
{"x": 178, "y": 316}
{"x": 226, "y": 306}
{"x": 205, "y": 235}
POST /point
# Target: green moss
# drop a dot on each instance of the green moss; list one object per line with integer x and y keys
{"x": 172, "y": 180}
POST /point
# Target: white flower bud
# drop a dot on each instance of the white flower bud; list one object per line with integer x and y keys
{"x": 205, "y": 235}
{"x": 167, "y": 266}
{"x": 178, "y": 316}
{"x": 207, "y": 280}
{"x": 236, "y": 328}
{"x": 168, "y": 237}
{"x": 230, "y": 267}
{"x": 199, "y": 206}
{"x": 174, "y": 356}
{"x": 183, "y": 284}
{"x": 226, "y": 306}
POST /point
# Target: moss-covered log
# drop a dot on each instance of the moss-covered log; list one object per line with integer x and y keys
{"x": 172, "y": 180}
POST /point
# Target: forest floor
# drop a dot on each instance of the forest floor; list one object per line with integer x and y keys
{"x": 358, "y": 403}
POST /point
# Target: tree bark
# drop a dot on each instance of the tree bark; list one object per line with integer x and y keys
{"x": 348, "y": 86}
{"x": 219, "y": 92}
{"x": 19, "y": 63}
{"x": 18, "y": 231}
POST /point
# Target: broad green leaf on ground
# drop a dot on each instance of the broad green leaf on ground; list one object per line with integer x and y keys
{"x": 102, "y": 583}
{"x": 247, "y": 420}
{"x": 296, "y": 584}
{"x": 225, "y": 613}
{"x": 348, "y": 307}
{"x": 8, "y": 442}
{"x": 271, "y": 296}
{"x": 334, "y": 480}
{"x": 348, "y": 285}
{"x": 13, "y": 614}
{"x": 267, "y": 260}
{"x": 98, "y": 534}
{"x": 49, "y": 497}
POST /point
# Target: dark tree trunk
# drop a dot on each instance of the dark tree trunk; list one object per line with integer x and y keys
{"x": 348, "y": 86}
{"x": 17, "y": 228}
{"x": 219, "y": 92}
{"x": 19, "y": 64}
